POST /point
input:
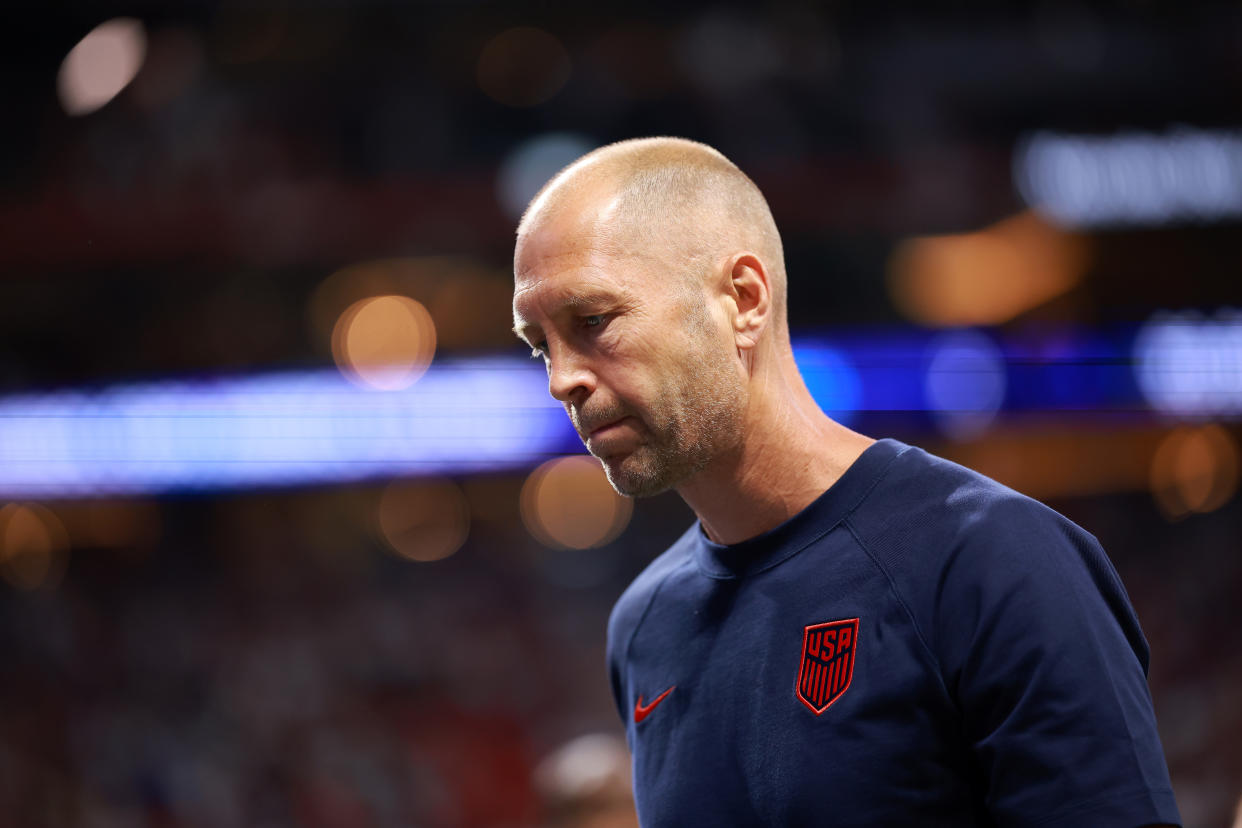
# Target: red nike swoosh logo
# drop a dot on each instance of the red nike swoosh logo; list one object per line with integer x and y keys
{"x": 642, "y": 711}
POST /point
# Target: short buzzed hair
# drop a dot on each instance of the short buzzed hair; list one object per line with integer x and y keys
{"x": 672, "y": 190}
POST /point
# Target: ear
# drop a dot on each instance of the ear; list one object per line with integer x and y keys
{"x": 751, "y": 288}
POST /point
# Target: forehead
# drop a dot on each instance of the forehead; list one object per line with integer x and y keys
{"x": 568, "y": 283}
{"x": 555, "y": 267}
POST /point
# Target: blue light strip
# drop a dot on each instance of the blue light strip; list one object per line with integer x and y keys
{"x": 468, "y": 416}
{"x": 900, "y": 372}
{"x": 277, "y": 430}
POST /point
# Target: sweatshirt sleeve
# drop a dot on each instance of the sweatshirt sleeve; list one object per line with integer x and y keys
{"x": 1042, "y": 651}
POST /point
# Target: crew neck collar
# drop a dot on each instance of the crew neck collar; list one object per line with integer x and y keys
{"x": 784, "y": 541}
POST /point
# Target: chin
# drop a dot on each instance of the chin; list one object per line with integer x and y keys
{"x": 636, "y": 488}
{"x": 632, "y": 477}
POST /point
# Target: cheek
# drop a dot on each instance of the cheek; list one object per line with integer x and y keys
{"x": 641, "y": 380}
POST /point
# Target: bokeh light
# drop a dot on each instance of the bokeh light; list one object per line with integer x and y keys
{"x": 426, "y": 520}
{"x": 101, "y": 65}
{"x": 965, "y": 383}
{"x": 468, "y": 416}
{"x": 832, "y": 378}
{"x": 1132, "y": 177}
{"x": 1050, "y": 459}
{"x": 988, "y": 277}
{"x": 1195, "y": 470}
{"x": 33, "y": 546}
{"x": 1190, "y": 366}
{"x": 469, "y": 302}
{"x": 532, "y": 163}
{"x": 568, "y": 503}
{"x": 523, "y": 66}
{"x": 593, "y": 768}
{"x": 384, "y": 342}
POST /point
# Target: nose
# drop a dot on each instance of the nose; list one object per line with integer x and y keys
{"x": 569, "y": 376}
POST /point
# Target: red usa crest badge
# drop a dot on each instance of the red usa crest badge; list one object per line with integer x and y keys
{"x": 827, "y": 662}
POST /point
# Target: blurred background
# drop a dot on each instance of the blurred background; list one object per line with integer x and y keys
{"x": 290, "y": 533}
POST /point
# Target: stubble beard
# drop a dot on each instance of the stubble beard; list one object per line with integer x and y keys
{"x": 698, "y": 419}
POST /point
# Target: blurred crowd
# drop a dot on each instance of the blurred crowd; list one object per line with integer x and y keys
{"x": 235, "y": 674}
{"x": 242, "y": 671}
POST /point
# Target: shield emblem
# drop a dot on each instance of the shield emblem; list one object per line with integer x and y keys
{"x": 827, "y": 662}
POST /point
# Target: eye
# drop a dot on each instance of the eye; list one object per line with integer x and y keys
{"x": 593, "y": 321}
{"x": 539, "y": 350}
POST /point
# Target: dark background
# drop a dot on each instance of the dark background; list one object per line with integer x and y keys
{"x": 262, "y": 658}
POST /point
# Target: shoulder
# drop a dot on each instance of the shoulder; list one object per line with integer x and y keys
{"x": 630, "y": 608}
{"x": 958, "y": 547}
{"x": 927, "y": 510}
{"x": 1034, "y": 639}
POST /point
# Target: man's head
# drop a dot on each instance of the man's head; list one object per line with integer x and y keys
{"x": 649, "y": 276}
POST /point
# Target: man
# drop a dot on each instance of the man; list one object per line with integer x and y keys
{"x": 853, "y": 632}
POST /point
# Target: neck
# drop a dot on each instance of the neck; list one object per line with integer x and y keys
{"x": 790, "y": 453}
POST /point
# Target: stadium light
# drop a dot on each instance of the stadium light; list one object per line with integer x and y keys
{"x": 1132, "y": 178}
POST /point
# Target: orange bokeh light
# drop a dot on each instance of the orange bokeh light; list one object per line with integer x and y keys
{"x": 424, "y": 521}
{"x": 469, "y": 302}
{"x": 568, "y": 503}
{"x": 1195, "y": 470}
{"x": 34, "y": 546}
{"x": 1054, "y": 460}
{"x": 988, "y": 277}
{"x": 384, "y": 342}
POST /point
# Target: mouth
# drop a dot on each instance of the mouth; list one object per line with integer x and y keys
{"x": 604, "y": 429}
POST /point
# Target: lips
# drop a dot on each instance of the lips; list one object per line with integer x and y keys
{"x": 599, "y": 429}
